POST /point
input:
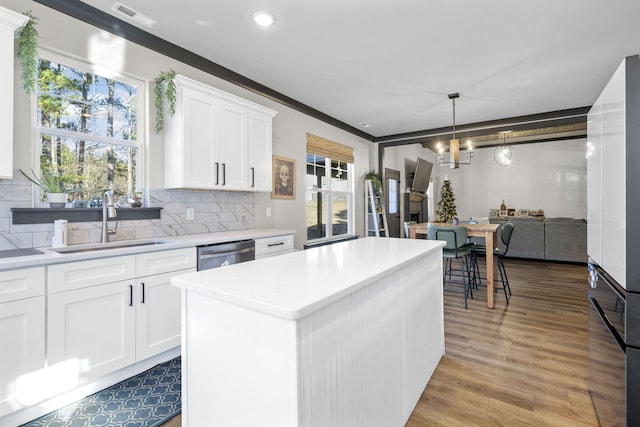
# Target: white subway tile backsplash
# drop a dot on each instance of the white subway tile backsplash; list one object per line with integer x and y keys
{"x": 214, "y": 211}
{"x": 16, "y": 241}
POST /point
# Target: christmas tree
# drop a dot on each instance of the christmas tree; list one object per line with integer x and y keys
{"x": 446, "y": 210}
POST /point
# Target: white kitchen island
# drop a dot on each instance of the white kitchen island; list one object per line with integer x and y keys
{"x": 340, "y": 335}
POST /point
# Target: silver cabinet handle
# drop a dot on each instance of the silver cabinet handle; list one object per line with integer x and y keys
{"x": 253, "y": 177}
{"x": 275, "y": 244}
{"x": 224, "y": 174}
{"x": 217, "y": 171}
{"x": 130, "y": 295}
{"x": 142, "y": 299}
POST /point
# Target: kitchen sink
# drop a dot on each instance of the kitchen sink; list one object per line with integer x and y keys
{"x": 105, "y": 246}
{"x": 10, "y": 253}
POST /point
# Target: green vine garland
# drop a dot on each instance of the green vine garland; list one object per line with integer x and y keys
{"x": 28, "y": 54}
{"x": 164, "y": 86}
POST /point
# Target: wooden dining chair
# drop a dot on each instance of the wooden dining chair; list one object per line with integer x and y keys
{"x": 407, "y": 232}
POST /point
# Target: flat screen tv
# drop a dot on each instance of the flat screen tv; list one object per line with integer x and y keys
{"x": 421, "y": 176}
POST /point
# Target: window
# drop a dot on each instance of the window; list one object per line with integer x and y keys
{"x": 329, "y": 191}
{"x": 88, "y": 129}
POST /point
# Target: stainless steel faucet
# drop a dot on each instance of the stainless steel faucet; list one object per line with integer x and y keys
{"x": 108, "y": 211}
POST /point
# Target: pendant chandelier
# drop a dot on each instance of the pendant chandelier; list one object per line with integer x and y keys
{"x": 502, "y": 153}
{"x": 454, "y": 144}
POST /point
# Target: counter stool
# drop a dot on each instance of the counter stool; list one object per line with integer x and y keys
{"x": 455, "y": 248}
{"x": 506, "y": 231}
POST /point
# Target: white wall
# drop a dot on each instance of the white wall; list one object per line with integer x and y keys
{"x": 69, "y": 36}
{"x": 549, "y": 176}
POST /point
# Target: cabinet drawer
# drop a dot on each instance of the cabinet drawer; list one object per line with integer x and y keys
{"x": 76, "y": 275}
{"x": 276, "y": 245}
{"x": 21, "y": 283}
{"x": 165, "y": 261}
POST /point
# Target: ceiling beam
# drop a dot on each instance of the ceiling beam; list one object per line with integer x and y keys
{"x": 551, "y": 126}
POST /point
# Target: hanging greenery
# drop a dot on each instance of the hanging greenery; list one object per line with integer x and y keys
{"x": 28, "y": 54}
{"x": 164, "y": 87}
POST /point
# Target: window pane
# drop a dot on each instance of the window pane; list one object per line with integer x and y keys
{"x": 316, "y": 219}
{"x": 339, "y": 181}
{"x": 82, "y": 102}
{"x": 339, "y": 213}
{"x": 85, "y": 166}
{"x": 394, "y": 207}
{"x": 315, "y": 177}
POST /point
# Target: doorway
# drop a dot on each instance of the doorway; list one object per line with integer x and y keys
{"x": 392, "y": 199}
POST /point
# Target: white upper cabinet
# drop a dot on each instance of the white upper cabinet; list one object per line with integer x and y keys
{"x": 10, "y": 22}
{"x": 217, "y": 140}
{"x": 260, "y": 165}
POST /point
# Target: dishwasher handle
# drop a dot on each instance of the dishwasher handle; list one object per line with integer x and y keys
{"x": 214, "y": 254}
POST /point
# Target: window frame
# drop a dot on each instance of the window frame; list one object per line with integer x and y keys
{"x": 328, "y": 197}
{"x": 85, "y": 65}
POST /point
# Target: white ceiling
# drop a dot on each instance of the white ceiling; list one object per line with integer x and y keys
{"x": 391, "y": 63}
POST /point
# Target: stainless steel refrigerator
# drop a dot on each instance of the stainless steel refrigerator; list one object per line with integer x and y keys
{"x": 613, "y": 205}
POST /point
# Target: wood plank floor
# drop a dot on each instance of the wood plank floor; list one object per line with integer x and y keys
{"x": 522, "y": 364}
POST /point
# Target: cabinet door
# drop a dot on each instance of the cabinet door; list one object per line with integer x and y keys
{"x": 10, "y": 21}
{"x": 260, "y": 164}
{"x": 81, "y": 274}
{"x": 158, "y": 314}
{"x": 93, "y": 325}
{"x": 275, "y": 245}
{"x": 594, "y": 182}
{"x": 150, "y": 263}
{"x": 22, "y": 329}
{"x": 234, "y": 169}
{"x": 199, "y": 140}
{"x": 613, "y": 177}
{"x": 21, "y": 283}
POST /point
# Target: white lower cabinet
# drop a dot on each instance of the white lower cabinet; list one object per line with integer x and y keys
{"x": 22, "y": 328}
{"x": 108, "y": 326}
{"x": 274, "y": 245}
{"x": 157, "y": 315}
{"x": 93, "y": 326}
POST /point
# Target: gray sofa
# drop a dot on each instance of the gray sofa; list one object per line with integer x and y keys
{"x": 552, "y": 239}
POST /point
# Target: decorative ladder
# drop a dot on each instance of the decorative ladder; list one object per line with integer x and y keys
{"x": 376, "y": 215}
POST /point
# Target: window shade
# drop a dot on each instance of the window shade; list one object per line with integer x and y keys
{"x": 326, "y": 148}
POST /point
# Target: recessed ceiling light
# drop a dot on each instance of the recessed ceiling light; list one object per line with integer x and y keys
{"x": 263, "y": 18}
{"x": 365, "y": 125}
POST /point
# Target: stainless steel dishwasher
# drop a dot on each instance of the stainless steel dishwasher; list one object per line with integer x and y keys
{"x": 223, "y": 254}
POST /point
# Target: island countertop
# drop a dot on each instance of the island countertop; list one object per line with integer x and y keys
{"x": 293, "y": 285}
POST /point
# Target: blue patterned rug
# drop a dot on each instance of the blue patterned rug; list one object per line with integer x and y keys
{"x": 146, "y": 400}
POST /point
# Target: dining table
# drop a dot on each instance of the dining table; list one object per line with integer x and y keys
{"x": 488, "y": 231}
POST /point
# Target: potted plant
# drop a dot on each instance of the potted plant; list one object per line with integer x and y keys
{"x": 53, "y": 186}
{"x": 376, "y": 179}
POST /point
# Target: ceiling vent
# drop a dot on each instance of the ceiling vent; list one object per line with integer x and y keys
{"x": 133, "y": 14}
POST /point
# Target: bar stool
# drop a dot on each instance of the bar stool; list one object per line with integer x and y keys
{"x": 455, "y": 248}
{"x": 506, "y": 231}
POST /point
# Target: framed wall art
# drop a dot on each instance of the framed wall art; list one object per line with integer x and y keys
{"x": 284, "y": 178}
